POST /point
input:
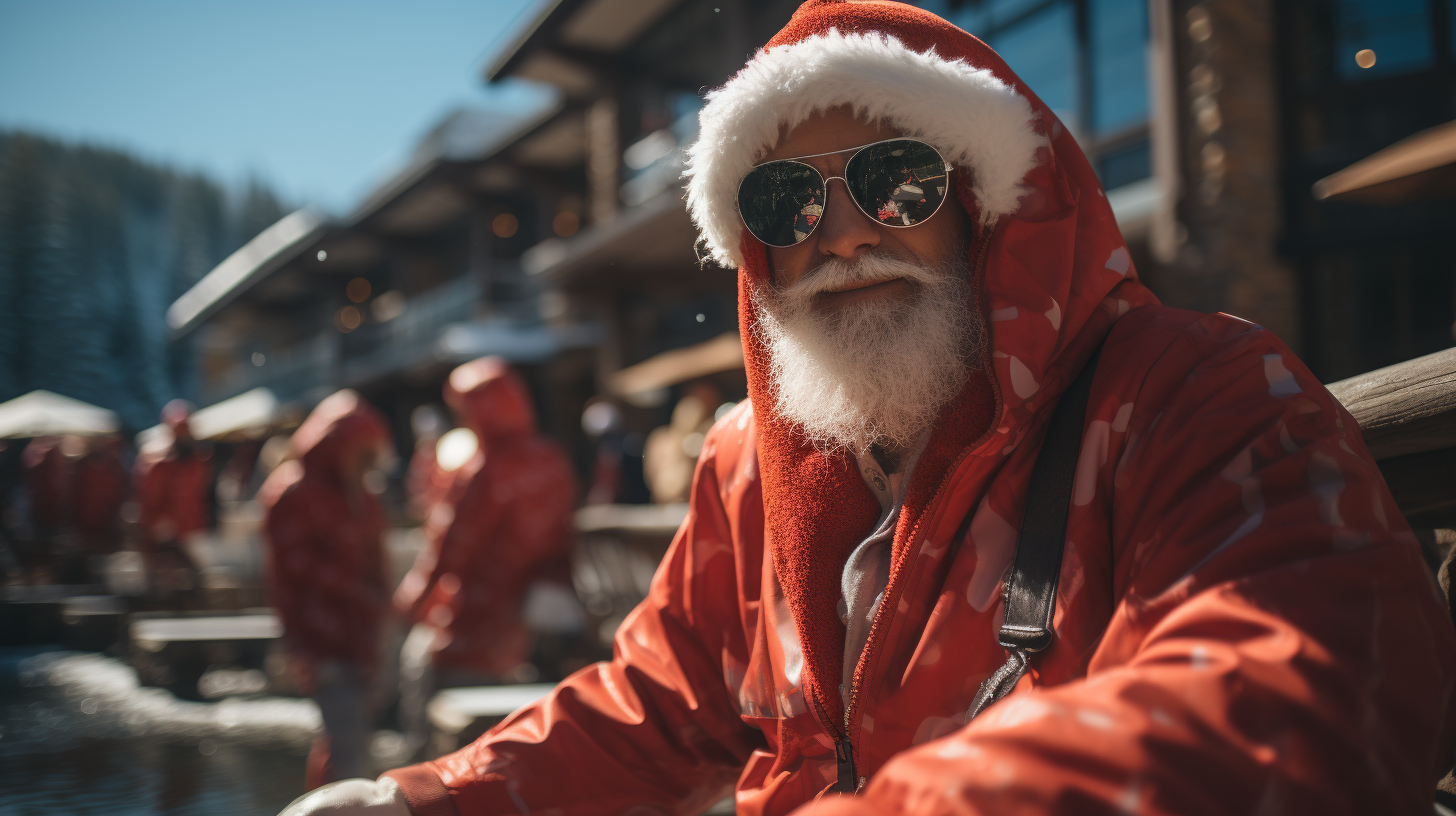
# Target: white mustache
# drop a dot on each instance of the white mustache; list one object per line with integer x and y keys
{"x": 837, "y": 274}
{"x": 873, "y": 372}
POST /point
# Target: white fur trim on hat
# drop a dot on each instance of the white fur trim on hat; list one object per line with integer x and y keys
{"x": 974, "y": 119}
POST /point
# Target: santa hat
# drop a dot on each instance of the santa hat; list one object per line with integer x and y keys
{"x": 928, "y": 84}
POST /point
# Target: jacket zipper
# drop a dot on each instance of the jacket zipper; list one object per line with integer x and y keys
{"x": 846, "y": 779}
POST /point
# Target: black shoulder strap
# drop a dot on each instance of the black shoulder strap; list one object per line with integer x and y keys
{"x": 1029, "y": 594}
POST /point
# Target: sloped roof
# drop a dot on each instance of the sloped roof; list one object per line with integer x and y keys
{"x": 1416, "y": 167}
{"x": 255, "y": 260}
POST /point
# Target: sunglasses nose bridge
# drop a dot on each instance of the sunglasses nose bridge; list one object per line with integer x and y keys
{"x": 849, "y": 194}
{"x": 844, "y": 225}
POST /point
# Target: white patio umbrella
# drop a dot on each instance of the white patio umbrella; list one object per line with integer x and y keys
{"x": 42, "y": 413}
{"x": 249, "y": 415}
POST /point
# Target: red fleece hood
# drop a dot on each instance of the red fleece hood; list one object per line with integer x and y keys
{"x": 338, "y": 428}
{"x": 1051, "y": 269}
{"x": 490, "y": 398}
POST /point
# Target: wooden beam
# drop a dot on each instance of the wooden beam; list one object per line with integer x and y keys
{"x": 1404, "y": 409}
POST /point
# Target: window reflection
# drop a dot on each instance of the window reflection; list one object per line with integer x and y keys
{"x": 1040, "y": 40}
{"x": 1118, "y": 30}
{"x": 1002, "y": 12}
{"x": 1042, "y": 50}
{"x": 1124, "y": 165}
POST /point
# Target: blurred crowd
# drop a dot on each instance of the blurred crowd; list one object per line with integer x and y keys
{"x": 490, "y": 595}
{"x": 71, "y": 503}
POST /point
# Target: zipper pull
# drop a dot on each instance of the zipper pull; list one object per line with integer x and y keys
{"x": 844, "y": 756}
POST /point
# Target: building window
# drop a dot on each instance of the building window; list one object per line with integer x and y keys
{"x": 1042, "y": 49}
{"x": 1086, "y": 59}
{"x": 1118, "y": 35}
{"x": 1120, "y": 166}
{"x": 1450, "y": 26}
{"x": 1357, "y": 76}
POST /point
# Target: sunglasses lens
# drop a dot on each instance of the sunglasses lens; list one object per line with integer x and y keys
{"x": 781, "y": 202}
{"x": 900, "y": 182}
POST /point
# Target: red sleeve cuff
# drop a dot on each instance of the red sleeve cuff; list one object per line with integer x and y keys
{"x": 423, "y": 790}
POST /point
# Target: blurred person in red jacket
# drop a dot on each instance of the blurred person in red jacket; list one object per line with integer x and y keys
{"x": 47, "y": 479}
{"x": 100, "y": 486}
{"x": 424, "y": 482}
{"x": 929, "y": 271}
{"x": 47, "y": 483}
{"x": 172, "y": 480}
{"x": 502, "y": 528}
{"x": 326, "y": 573}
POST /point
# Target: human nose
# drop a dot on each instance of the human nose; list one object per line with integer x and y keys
{"x": 843, "y": 229}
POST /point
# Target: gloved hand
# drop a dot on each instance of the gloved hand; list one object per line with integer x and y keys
{"x": 351, "y": 797}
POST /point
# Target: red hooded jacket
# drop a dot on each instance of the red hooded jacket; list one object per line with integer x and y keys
{"x": 504, "y": 522}
{"x": 100, "y": 484}
{"x": 324, "y": 532}
{"x": 47, "y": 482}
{"x": 1244, "y": 622}
{"x": 172, "y": 482}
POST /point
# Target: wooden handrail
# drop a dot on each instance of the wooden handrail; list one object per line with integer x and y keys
{"x": 1406, "y": 408}
{"x": 1407, "y": 414}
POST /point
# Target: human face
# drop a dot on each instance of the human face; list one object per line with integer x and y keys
{"x": 845, "y": 232}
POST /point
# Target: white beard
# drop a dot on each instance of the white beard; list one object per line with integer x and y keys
{"x": 875, "y": 373}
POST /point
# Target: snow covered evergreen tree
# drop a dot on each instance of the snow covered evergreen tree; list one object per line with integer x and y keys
{"x": 94, "y": 245}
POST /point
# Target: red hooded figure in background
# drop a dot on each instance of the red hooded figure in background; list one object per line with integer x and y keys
{"x": 49, "y": 492}
{"x": 100, "y": 487}
{"x": 503, "y": 523}
{"x": 47, "y": 483}
{"x": 1244, "y": 621}
{"x": 326, "y": 571}
{"x": 424, "y": 482}
{"x": 172, "y": 481}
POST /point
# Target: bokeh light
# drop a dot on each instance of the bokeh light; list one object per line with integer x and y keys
{"x": 566, "y": 223}
{"x": 505, "y": 225}
{"x": 358, "y": 290}
{"x": 348, "y": 319}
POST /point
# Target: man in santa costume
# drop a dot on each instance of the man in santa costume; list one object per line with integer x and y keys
{"x": 1242, "y": 623}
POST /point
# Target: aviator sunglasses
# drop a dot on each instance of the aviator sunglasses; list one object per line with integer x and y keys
{"x": 897, "y": 183}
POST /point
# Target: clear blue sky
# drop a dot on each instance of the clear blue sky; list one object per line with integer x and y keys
{"x": 319, "y": 98}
